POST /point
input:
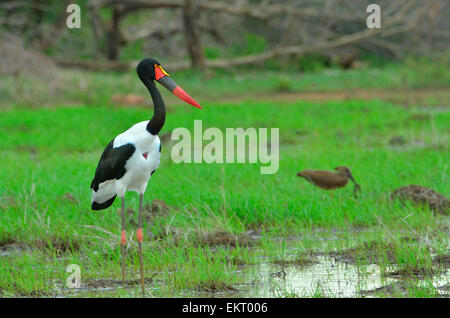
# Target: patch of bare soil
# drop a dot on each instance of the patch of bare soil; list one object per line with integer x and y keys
{"x": 420, "y": 117}
{"x": 31, "y": 150}
{"x": 392, "y": 289}
{"x": 20, "y": 293}
{"x": 445, "y": 288}
{"x": 158, "y": 208}
{"x": 222, "y": 238}
{"x": 8, "y": 201}
{"x": 175, "y": 235}
{"x": 280, "y": 274}
{"x": 442, "y": 261}
{"x": 17, "y": 59}
{"x": 403, "y": 96}
{"x": 128, "y": 99}
{"x": 255, "y": 234}
{"x": 422, "y": 196}
{"x": 236, "y": 261}
{"x": 68, "y": 197}
{"x": 368, "y": 252}
{"x": 416, "y": 273}
{"x": 397, "y": 140}
{"x": 298, "y": 262}
{"x": 58, "y": 246}
{"x": 214, "y": 287}
{"x": 6, "y": 242}
{"x": 105, "y": 282}
{"x": 12, "y": 248}
{"x": 401, "y": 287}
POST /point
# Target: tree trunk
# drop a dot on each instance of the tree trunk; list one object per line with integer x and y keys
{"x": 192, "y": 36}
{"x": 113, "y": 36}
{"x": 58, "y": 28}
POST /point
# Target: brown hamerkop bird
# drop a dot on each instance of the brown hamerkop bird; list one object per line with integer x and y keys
{"x": 329, "y": 179}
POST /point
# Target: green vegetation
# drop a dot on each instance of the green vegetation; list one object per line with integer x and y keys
{"x": 223, "y": 220}
{"x": 97, "y": 89}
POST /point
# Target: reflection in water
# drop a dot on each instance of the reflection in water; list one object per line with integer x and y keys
{"x": 325, "y": 278}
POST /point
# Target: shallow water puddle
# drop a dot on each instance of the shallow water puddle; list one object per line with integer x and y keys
{"x": 322, "y": 275}
{"x": 326, "y": 278}
{"x": 13, "y": 249}
{"x": 104, "y": 287}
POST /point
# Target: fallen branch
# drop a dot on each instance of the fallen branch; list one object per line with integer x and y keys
{"x": 297, "y": 50}
{"x": 402, "y": 17}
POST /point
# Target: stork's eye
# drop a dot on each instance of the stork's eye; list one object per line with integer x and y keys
{"x": 162, "y": 70}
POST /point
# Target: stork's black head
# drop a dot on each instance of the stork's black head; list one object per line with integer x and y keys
{"x": 150, "y": 70}
{"x": 146, "y": 69}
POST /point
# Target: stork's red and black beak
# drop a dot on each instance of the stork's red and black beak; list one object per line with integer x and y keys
{"x": 165, "y": 80}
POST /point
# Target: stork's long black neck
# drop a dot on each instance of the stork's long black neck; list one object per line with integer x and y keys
{"x": 159, "y": 113}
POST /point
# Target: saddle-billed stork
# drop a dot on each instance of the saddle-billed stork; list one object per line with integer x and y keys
{"x": 132, "y": 157}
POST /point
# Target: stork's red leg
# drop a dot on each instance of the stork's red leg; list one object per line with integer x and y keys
{"x": 140, "y": 238}
{"x": 123, "y": 242}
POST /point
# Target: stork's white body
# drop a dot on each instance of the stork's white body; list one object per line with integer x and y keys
{"x": 138, "y": 167}
{"x": 129, "y": 160}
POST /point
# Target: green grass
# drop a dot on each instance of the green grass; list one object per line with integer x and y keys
{"x": 88, "y": 88}
{"x": 66, "y": 143}
{"x": 48, "y": 157}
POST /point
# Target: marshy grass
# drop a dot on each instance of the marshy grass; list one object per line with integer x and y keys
{"x": 222, "y": 219}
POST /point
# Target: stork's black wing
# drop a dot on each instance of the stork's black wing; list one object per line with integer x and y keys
{"x": 112, "y": 163}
